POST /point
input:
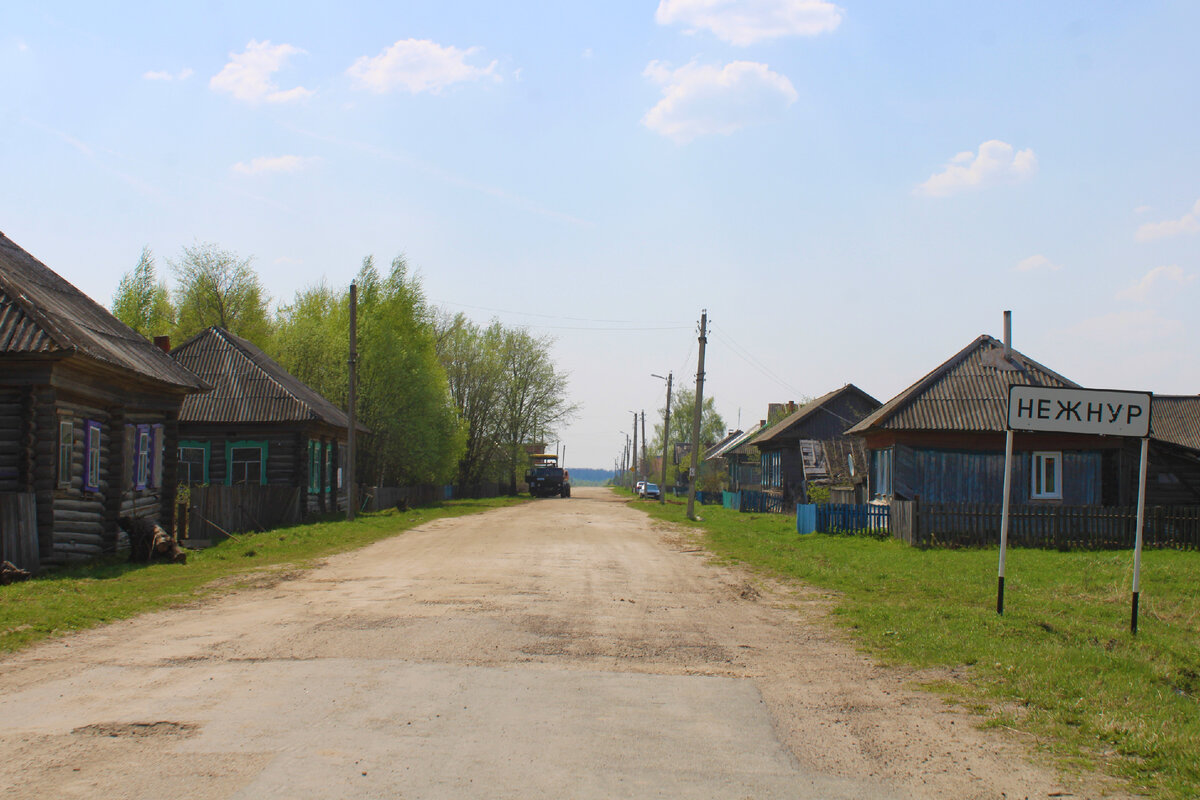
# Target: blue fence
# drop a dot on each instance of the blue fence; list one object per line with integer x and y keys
{"x": 752, "y": 501}
{"x": 843, "y": 518}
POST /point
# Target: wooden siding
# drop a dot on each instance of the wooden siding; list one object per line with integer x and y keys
{"x": 961, "y": 476}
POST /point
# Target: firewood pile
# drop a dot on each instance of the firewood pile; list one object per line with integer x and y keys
{"x": 149, "y": 542}
{"x": 11, "y": 573}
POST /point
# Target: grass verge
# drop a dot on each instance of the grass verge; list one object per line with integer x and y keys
{"x": 92, "y": 594}
{"x": 1060, "y": 664}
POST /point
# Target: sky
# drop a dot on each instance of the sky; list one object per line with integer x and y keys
{"x": 854, "y": 190}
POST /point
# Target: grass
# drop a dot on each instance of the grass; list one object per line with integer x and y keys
{"x": 104, "y": 591}
{"x": 1060, "y": 664}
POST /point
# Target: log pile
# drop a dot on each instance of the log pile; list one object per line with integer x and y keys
{"x": 149, "y": 542}
{"x": 11, "y": 573}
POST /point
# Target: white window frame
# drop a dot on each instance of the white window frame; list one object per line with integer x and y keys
{"x": 92, "y": 445}
{"x": 66, "y": 452}
{"x": 1037, "y": 487}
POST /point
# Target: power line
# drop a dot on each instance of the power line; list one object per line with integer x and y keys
{"x": 651, "y": 324}
{"x": 747, "y": 356}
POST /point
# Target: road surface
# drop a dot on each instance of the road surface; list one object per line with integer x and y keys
{"x": 561, "y": 649}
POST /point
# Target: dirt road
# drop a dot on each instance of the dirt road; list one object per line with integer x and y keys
{"x": 565, "y": 648}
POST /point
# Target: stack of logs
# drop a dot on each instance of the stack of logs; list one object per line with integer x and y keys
{"x": 149, "y": 542}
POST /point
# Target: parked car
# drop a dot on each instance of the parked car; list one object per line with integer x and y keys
{"x": 639, "y": 487}
{"x": 650, "y": 491}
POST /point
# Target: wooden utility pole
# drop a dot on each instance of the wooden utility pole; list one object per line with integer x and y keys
{"x": 694, "y": 472}
{"x": 352, "y": 445}
{"x": 662, "y": 489}
{"x": 645, "y": 461}
{"x": 633, "y": 453}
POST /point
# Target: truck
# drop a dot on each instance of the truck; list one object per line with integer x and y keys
{"x": 546, "y": 478}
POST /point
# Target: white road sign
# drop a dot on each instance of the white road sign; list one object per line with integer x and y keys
{"x": 1095, "y": 411}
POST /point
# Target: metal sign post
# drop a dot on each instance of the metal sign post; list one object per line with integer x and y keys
{"x": 1137, "y": 541}
{"x": 1086, "y": 411}
{"x": 1008, "y": 448}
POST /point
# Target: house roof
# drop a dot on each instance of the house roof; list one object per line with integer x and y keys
{"x": 733, "y": 444}
{"x": 249, "y": 386}
{"x": 43, "y": 314}
{"x": 717, "y": 449}
{"x": 1176, "y": 419}
{"x": 779, "y": 429}
{"x": 968, "y": 392}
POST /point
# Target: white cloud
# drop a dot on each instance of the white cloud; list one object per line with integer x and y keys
{"x": 163, "y": 75}
{"x": 247, "y": 76}
{"x": 1188, "y": 223}
{"x": 1159, "y": 276}
{"x": 699, "y": 100}
{"x": 417, "y": 65}
{"x": 744, "y": 22}
{"x": 264, "y": 164}
{"x": 1037, "y": 262}
{"x": 996, "y": 163}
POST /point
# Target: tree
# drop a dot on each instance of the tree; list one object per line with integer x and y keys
{"x": 216, "y": 287}
{"x": 142, "y": 301}
{"x": 534, "y": 397}
{"x": 312, "y": 341}
{"x": 471, "y": 357}
{"x": 683, "y": 410}
{"x": 403, "y": 395}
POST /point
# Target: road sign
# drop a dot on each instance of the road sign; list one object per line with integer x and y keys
{"x": 1093, "y": 411}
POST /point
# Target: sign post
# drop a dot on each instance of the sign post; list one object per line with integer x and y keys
{"x": 1088, "y": 411}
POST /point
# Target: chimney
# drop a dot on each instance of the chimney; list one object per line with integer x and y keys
{"x": 1007, "y": 335}
{"x": 163, "y": 343}
{"x": 791, "y": 406}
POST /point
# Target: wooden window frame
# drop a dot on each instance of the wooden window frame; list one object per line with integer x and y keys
{"x": 883, "y": 464}
{"x": 206, "y": 447}
{"x": 66, "y": 446}
{"x": 92, "y": 452}
{"x": 141, "y": 457}
{"x": 260, "y": 445}
{"x": 1037, "y": 474}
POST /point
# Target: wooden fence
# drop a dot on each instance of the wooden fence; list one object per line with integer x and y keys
{"x": 217, "y": 511}
{"x": 1045, "y": 526}
{"x": 18, "y": 530}
{"x": 848, "y": 518}
{"x": 753, "y": 501}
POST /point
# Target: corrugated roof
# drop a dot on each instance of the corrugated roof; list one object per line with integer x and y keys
{"x": 40, "y": 312}
{"x": 1176, "y": 419}
{"x": 810, "y": 408}
{"x": 969, "y": 392}
{"x": 733, "y": 444}
{"x": 249, "y": 386}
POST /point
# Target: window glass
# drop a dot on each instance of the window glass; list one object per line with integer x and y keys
{"x": 92, "y": 445}
{"x": 142, "y": 474}
{"x": 881, "y": 473}
{"x": 1047, "y": 476}
{"x": 247, "y": 465}
{"x": 192, "y": 466}
{"x": 66, "y": 446}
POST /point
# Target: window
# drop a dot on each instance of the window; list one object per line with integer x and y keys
{"x": 141, "y": 462}
{"x": 66, "y": 448}
{"x": 193, "y": 463}
{"x": 771, "y": 472}
{"x": 1047, "y": 476}
{"x": 91, "y": 460}
{"x": 314, "y": 465}
{"x": 881, "y": 473}
{"x": 246, "y": 462}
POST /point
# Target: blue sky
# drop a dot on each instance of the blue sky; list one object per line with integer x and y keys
{"x": 854, "y": 190}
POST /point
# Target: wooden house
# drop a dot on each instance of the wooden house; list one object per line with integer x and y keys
{"x": 942, "y": 440}
{"x": 260, "y": 425}
{"x": 738, "y": 459}
{"x": 88, "y": 415}
{"x": 809, "y": 446}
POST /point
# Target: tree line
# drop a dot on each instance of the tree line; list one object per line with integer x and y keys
{"x": 445, "y": 399}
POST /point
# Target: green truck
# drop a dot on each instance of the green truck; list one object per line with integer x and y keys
{"x": 546, "y": 478}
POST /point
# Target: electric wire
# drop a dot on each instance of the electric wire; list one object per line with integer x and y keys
{"x": 745, "y": 355}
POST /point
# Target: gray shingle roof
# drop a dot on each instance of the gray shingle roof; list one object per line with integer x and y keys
{"x": 41, "y": 313}
{"x": 808, "y": 409}
{"x": 1176, "y": 419}
{"x": 969, "y": 392}
{"x": 249, "y": 386}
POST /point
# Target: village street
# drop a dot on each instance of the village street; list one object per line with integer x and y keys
{"x": 563, "y": 648}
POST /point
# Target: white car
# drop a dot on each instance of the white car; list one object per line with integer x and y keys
{"x": 639, "y": 488}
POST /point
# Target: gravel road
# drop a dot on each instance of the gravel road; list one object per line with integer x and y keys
{"x": 559, "y": 649}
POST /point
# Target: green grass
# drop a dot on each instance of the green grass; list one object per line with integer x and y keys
{"x": 89, "y": 595}
{"x": 1060, "y": 664}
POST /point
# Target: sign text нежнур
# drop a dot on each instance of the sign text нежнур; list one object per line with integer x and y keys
{"x": 1094, "y": 411}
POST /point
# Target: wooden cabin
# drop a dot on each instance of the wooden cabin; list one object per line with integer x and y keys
{"x": 942, "y": 440}
{"x": 89, "y": 415}
{"x": 808, "y": 447}
{"x": 259, "y": 425}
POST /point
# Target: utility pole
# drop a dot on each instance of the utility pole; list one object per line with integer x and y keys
{"x": 645, "y": 461}
{"x": 633, "y": 454}
{"x": 694, "y": 473}
{"x": 662, "y": 487}
{"x": 352, "y": 445}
